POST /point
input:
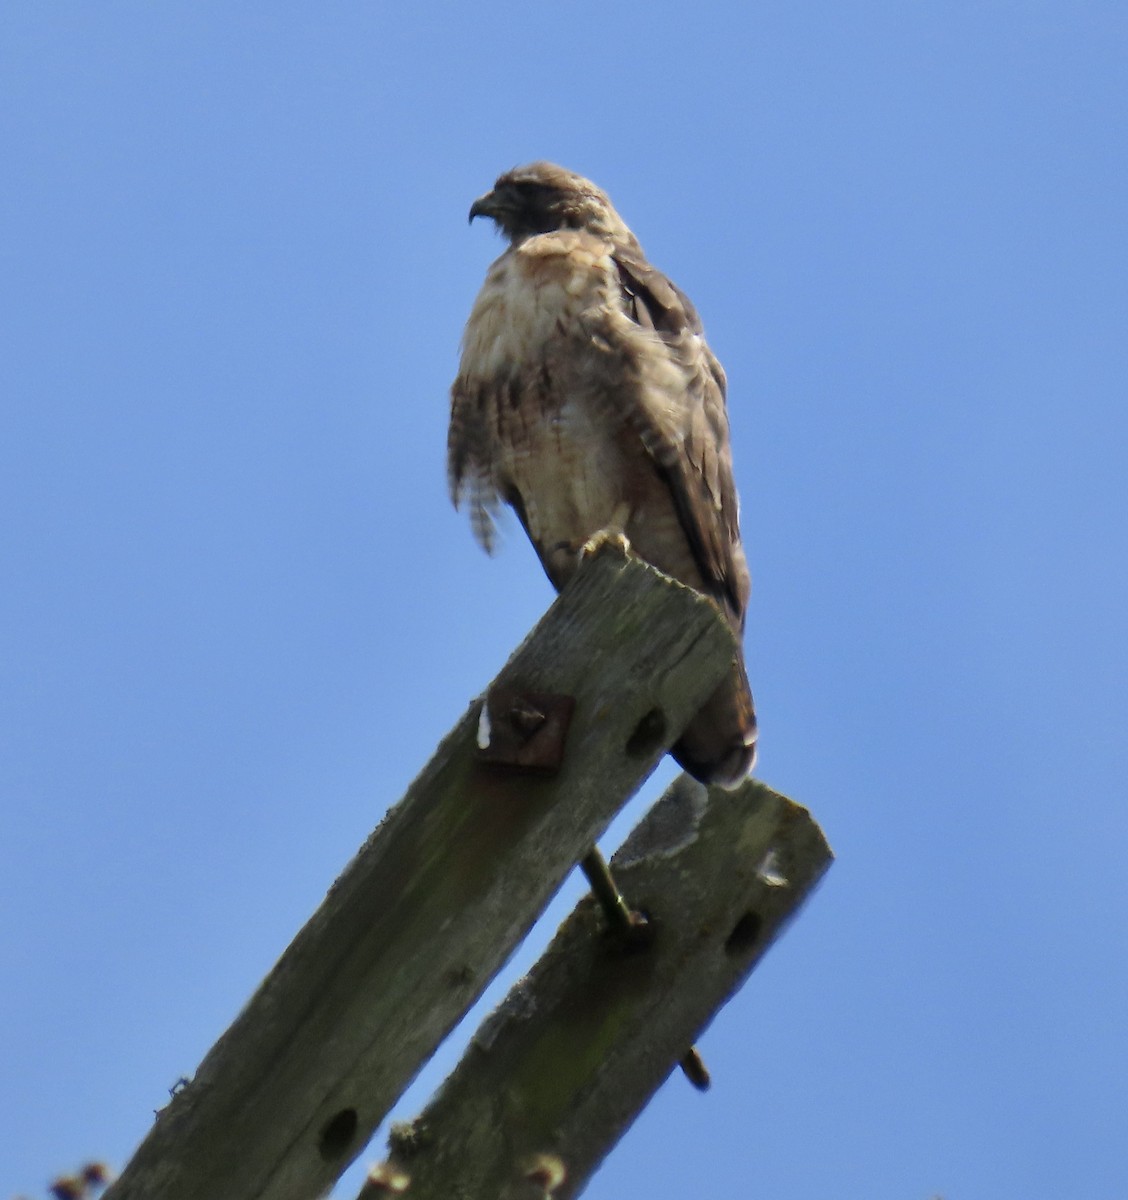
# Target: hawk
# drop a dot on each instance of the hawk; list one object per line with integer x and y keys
{"x": 588, "y": 401}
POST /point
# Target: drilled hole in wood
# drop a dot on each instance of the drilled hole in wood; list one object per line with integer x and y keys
{"x": 338, "y": 1134}
{"x": 649, "y": 734}
{"x": 744, "y": 934}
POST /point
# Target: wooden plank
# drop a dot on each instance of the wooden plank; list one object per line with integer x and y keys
{"x": 556, "y": 1075}
{"x": 436, "y": 900}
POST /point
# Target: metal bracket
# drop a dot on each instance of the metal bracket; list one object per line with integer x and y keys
{"x": 526, "y": 730}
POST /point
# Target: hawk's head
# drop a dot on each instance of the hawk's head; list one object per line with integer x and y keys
{"x": 543, "y": 197}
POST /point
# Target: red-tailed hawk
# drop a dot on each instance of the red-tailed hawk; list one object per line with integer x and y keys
{"x": 588, "y": 400}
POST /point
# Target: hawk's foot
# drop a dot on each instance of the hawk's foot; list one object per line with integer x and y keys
{"x": 611, "y": 540}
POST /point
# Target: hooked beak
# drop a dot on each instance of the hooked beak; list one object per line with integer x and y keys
{"x": 490, "y": 205}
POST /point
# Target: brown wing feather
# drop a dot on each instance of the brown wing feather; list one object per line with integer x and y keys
{"x": 468, "y": 456}
{"x": 688, "y": 437}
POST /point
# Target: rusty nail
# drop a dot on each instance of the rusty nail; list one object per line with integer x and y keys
{"x": 526, "y": 718}
{"x": 632, "y": 927}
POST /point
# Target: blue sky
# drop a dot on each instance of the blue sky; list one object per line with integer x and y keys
{"x": 238, "y": 611}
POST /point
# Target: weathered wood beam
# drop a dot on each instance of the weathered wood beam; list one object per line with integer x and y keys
{"x": 438, "y": 897}
{"x": 555, "y": 1076}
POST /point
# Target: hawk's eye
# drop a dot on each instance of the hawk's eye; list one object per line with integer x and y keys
{"x": 537, "y": 195}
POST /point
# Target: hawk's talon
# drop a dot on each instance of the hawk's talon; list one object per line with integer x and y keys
{"x": 606, "y": 541}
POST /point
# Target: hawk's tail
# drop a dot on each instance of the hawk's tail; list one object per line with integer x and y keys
{"x": 719, "y": 744}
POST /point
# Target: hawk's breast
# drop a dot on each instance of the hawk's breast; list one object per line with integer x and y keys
{"x": 532, "y": 296}
{"x": 554, "y": 448}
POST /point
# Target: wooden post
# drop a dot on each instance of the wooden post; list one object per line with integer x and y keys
{"x": 554, "y": 1077}
{"x": 435, "y": 901}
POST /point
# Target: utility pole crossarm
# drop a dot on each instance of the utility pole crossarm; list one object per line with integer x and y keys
{"x": 444, "y": 889}
{"x": 555, "y": 1076}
